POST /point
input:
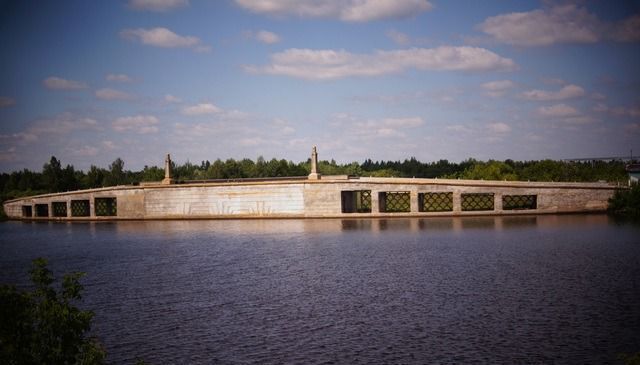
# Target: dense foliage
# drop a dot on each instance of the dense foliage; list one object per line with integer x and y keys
{"x": 626, "y": 202}
{"x": 43, "y": 326}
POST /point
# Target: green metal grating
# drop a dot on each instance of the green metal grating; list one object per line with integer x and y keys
{"x": 356, "y": 201}
{"x": 80, "y": 208}
{"x": 59, "y": 209}
{"x": 436, "y": 202}
{"x": 106, "y": 207}
{"x": 519, "y": 202}
{"x": 477, "y": 201}
{"x": 396, "y": 202}
{"x": 363, "y": 201}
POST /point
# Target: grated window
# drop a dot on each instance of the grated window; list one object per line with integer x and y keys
{"x": 357, "y": 201}
{"x": 42, "y": 210}
{"x": 436, "y": 202}
{"x": 395, "y": 202}
{"x": 519, "y": 202}
{"x": 27, "y": 211}
{"x": 80, "y": 208}
{"x": 59, "y": 209}
{"x": 477, "y": 201}
{"x": 106, "y": 206}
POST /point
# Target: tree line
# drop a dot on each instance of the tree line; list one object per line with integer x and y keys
{"x": 56, "y": 178}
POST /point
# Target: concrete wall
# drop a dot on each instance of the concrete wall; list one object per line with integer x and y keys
{"x": 311, "y": 198}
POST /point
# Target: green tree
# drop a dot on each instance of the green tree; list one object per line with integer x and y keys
{"x": 52, "y": 175}
{"x": 116, "y": 175}
{"x": 492, "y": 170}
{"x": 626, "y": 202}
{"x": 43, "y": 326}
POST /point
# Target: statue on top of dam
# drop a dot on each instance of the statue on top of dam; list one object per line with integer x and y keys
{"x": 314, "y": 175}
{"x": 168, "y": 178}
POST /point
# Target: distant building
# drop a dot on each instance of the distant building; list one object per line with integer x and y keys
{"x": 634, "y": 173}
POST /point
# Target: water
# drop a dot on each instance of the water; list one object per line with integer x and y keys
{"x": 534, "y": 289}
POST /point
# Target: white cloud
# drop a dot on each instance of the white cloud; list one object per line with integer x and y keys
{"x": 84, "y": 151}
{"x": 20, "y": 138}
{"x": 633, "y": 111}
{"x": 403, "y": 122}
{"x": 567, "y": 92}
{"x": 172, "y": 99}
{"x": 600, "y": 108}
{"x": 497, "y": 88}
{"x": 201, "y": 109}
{"x": 141, "y": 124}
{"x": 459, "y": 128}
{"x": 398, "y": 37}
{"x": 6, "y": 101}
{"x": 345, "y": 10}
{"x": 330, "y": 64}
{"x": 118, "y": 78}
{"x": 370, "y": 129}
{"x": 157, "y": 5}
{"x": 267, "y": 37}
{"x": 559, "y": 24}
{"x": 558, "y": 111}
{"x": 499, "y": 128}
{"x": 109, "y": 145}
{"x": 44, "y": 129}
{"x": 111, "y": 94}
{"x": 58, "y": 83}
{"x": 163, "y": 37}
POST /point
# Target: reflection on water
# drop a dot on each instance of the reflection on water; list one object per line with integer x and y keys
{"x": 516, "y": 289}
{"x": 275, "y": 226}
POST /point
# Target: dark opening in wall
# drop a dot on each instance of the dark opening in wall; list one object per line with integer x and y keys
{"x": 59, "y": 209}
{"x": 477, "y": 201}
{"x": 106, "y": 207}
{"x": 435, "y": 202}
{"x": 27, "y": 211}
{"x": 519, "y": 202}
{"x": 80, "y": 208}
{"x": 394, "y": 201}
{"x": 357, "y": 201}
{"x": 42, "y": 210}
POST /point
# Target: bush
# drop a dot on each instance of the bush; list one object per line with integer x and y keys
{"x": 43, "y": 326}
{"x": 626, "y": 202}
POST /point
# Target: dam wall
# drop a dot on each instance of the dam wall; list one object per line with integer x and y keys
{"x": 325, "y": 197}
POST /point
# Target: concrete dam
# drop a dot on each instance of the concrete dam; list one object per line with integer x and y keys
{"x": 315, "y": 196}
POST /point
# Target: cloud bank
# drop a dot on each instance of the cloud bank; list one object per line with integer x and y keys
{"x": 165, "y": 38}
{"x": 344, "y": 10}
{"x": 331, "y": 64}
{"x": 558, "y": 25}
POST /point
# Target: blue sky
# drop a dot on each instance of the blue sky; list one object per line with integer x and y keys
{"x": 90, "y": 81}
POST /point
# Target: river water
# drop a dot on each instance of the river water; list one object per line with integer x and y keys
{"x": 530, "y": 289}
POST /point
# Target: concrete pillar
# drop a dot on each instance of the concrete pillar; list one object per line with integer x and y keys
{"x": 49, "y": 209}
{"x": 457, "y": 202}
{"x": 414, "y": 201}
{"x": 68, "y": 208}
{"x": 375, "y": 204}
{"x": 497, "y": 202}
{"x": 92, "y": 206}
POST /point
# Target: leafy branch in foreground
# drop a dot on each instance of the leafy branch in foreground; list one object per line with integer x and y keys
{"x": 43, "y": 326}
